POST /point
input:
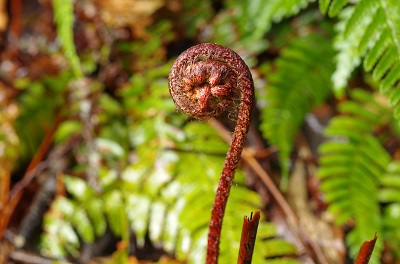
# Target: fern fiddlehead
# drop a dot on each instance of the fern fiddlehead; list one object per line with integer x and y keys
{"x": 203, "y": 82}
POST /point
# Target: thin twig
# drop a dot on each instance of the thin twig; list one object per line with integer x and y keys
{"x": 31, "y": 172}
{"x": 25, "y": 257}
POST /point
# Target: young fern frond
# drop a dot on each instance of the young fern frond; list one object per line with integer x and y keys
{"x": 300, "y": 82}
{"x": 351, "y": 166}
{"x": 368, "y": 29}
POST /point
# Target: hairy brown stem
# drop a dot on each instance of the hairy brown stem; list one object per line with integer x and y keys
{"x": 203, "y": 82}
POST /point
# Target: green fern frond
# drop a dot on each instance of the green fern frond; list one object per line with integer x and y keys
{"x": 371, "y": 29}
{"x": 62, "y": 233}
{"x": 175, "y": 216}
{"x": 351, "y": 166}
{"x": 300, "y": 82}
{"x": 64, "y": 18}
{"x": 187, "y": 198}
{"x": 266, "y": 12}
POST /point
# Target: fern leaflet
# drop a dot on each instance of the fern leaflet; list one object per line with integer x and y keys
{"x": 64, "y": 18}
{"x": 389, "y": 194}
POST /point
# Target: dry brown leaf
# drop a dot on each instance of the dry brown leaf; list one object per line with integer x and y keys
{"x": 135, "y": 14}
{"x": 3, "y": 15}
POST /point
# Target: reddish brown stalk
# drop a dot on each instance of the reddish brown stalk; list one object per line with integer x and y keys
{"x": 18, "y": 190}
{"x": 366, "y": 251}
{"x": 203, "y": 82}
{"x": 248, "y": 239}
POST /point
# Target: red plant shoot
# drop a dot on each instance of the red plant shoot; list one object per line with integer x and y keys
{"x": 203, "y": 81}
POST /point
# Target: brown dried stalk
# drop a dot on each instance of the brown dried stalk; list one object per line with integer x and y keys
{"x": 203, "y": 82}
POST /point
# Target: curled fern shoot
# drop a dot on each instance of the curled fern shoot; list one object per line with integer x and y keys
{"x": 203, "y": 81}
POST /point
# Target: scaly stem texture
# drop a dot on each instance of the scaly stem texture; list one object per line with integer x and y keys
{"x": 204, "y": 81}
